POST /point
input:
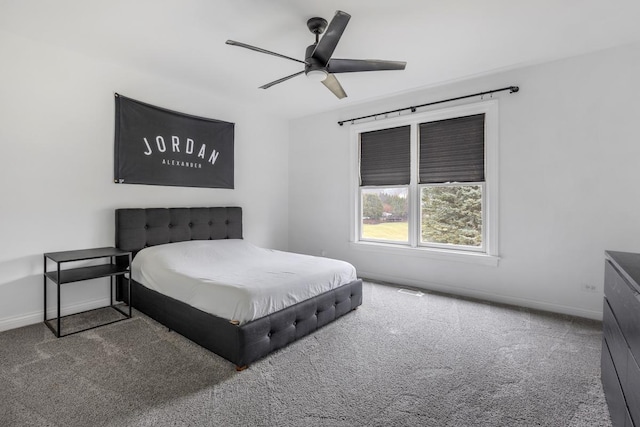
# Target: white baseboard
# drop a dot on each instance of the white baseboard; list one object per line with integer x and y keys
{"x": 486, "y": 296}
{"x": 8, "y": 323}
{"x": 36, "y": 317}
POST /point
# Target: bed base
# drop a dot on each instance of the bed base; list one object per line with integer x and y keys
{"x": 244, "y": 344}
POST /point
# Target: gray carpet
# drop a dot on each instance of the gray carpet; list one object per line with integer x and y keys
{"x": 399, "y": 360}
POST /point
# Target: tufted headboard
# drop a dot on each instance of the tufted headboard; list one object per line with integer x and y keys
{"x": 139, "y": 228}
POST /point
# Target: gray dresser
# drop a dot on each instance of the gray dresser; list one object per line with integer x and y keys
{"x": 621, "y": 337}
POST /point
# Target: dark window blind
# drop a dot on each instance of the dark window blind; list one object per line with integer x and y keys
{"x": 385, "y": 157}
{"x": 452, "y": 150}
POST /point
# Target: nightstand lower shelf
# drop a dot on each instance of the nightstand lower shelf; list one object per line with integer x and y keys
{"x": 88, "y": 317}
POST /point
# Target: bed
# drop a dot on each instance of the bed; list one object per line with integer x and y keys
{"x": 241, "y": 340}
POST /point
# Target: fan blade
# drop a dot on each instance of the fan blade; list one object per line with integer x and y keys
{"x": 331, "y": 37}
{"x": 268, "y": 85}
{"x": 357, "y": 65}
{"x": 334, "y": 86}
{"x": 258, "y": 49}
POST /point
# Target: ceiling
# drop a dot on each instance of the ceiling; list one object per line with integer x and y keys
{"x": 441, "y": 40}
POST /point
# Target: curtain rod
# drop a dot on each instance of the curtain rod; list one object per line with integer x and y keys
{"x": 511, "y": 89}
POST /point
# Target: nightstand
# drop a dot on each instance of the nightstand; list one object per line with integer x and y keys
{"x": 61, "y": 276}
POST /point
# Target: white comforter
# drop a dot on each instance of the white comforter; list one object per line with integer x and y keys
{"x": 234, "y": 279}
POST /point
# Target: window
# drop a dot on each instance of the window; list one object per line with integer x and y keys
{"x": 385, "y": 159}
{"x": 427, "y": 181}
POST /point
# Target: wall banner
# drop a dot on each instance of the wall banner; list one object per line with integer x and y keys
{"x": 163, "y": 147}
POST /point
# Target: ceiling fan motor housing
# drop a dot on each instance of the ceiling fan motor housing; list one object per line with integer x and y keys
{"x": 312, "y": 64}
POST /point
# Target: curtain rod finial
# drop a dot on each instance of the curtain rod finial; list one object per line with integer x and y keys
{"x": 514, "y": 89}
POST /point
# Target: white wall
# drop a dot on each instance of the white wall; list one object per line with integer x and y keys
{"x": 569, "y": 185}
{"x": 56, "y": 167}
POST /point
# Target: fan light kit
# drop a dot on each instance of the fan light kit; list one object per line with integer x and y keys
{"x": 318, "y": 64}
{"x": 317, "y": 75}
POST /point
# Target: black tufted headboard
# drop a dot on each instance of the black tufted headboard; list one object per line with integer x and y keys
{"x": 139, "y": 228}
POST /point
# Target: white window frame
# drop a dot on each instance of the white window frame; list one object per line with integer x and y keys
{"x": 488, "y": 254}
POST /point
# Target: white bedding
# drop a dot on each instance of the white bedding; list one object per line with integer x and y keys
{"x": 234, "y": 279}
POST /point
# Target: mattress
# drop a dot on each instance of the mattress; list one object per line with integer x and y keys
{"x": 235, "y": 279}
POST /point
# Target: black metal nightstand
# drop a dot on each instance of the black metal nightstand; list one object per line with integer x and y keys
{"x": 61, "y": 276}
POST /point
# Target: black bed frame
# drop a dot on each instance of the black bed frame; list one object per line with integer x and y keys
{"x": 240, "y": 344}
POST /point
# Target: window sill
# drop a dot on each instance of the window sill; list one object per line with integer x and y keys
{"x": 438, "y": 254}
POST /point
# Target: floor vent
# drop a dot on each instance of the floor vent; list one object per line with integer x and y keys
{"x": 411, "y": 292}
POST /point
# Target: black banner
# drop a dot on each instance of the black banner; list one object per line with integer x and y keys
{"x": 163, "y": 147}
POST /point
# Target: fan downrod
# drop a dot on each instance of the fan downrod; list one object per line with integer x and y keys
{"x": 317, "y": 25}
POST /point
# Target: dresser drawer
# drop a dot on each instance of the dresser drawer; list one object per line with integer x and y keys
{"x": 632, "y": 388}
{"x": 612, "y": 390}
{"x": 625, "y": 303}
{"x": 615, "y": 342}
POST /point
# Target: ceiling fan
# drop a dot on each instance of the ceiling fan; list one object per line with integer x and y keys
{"x": 318, "y": 64}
